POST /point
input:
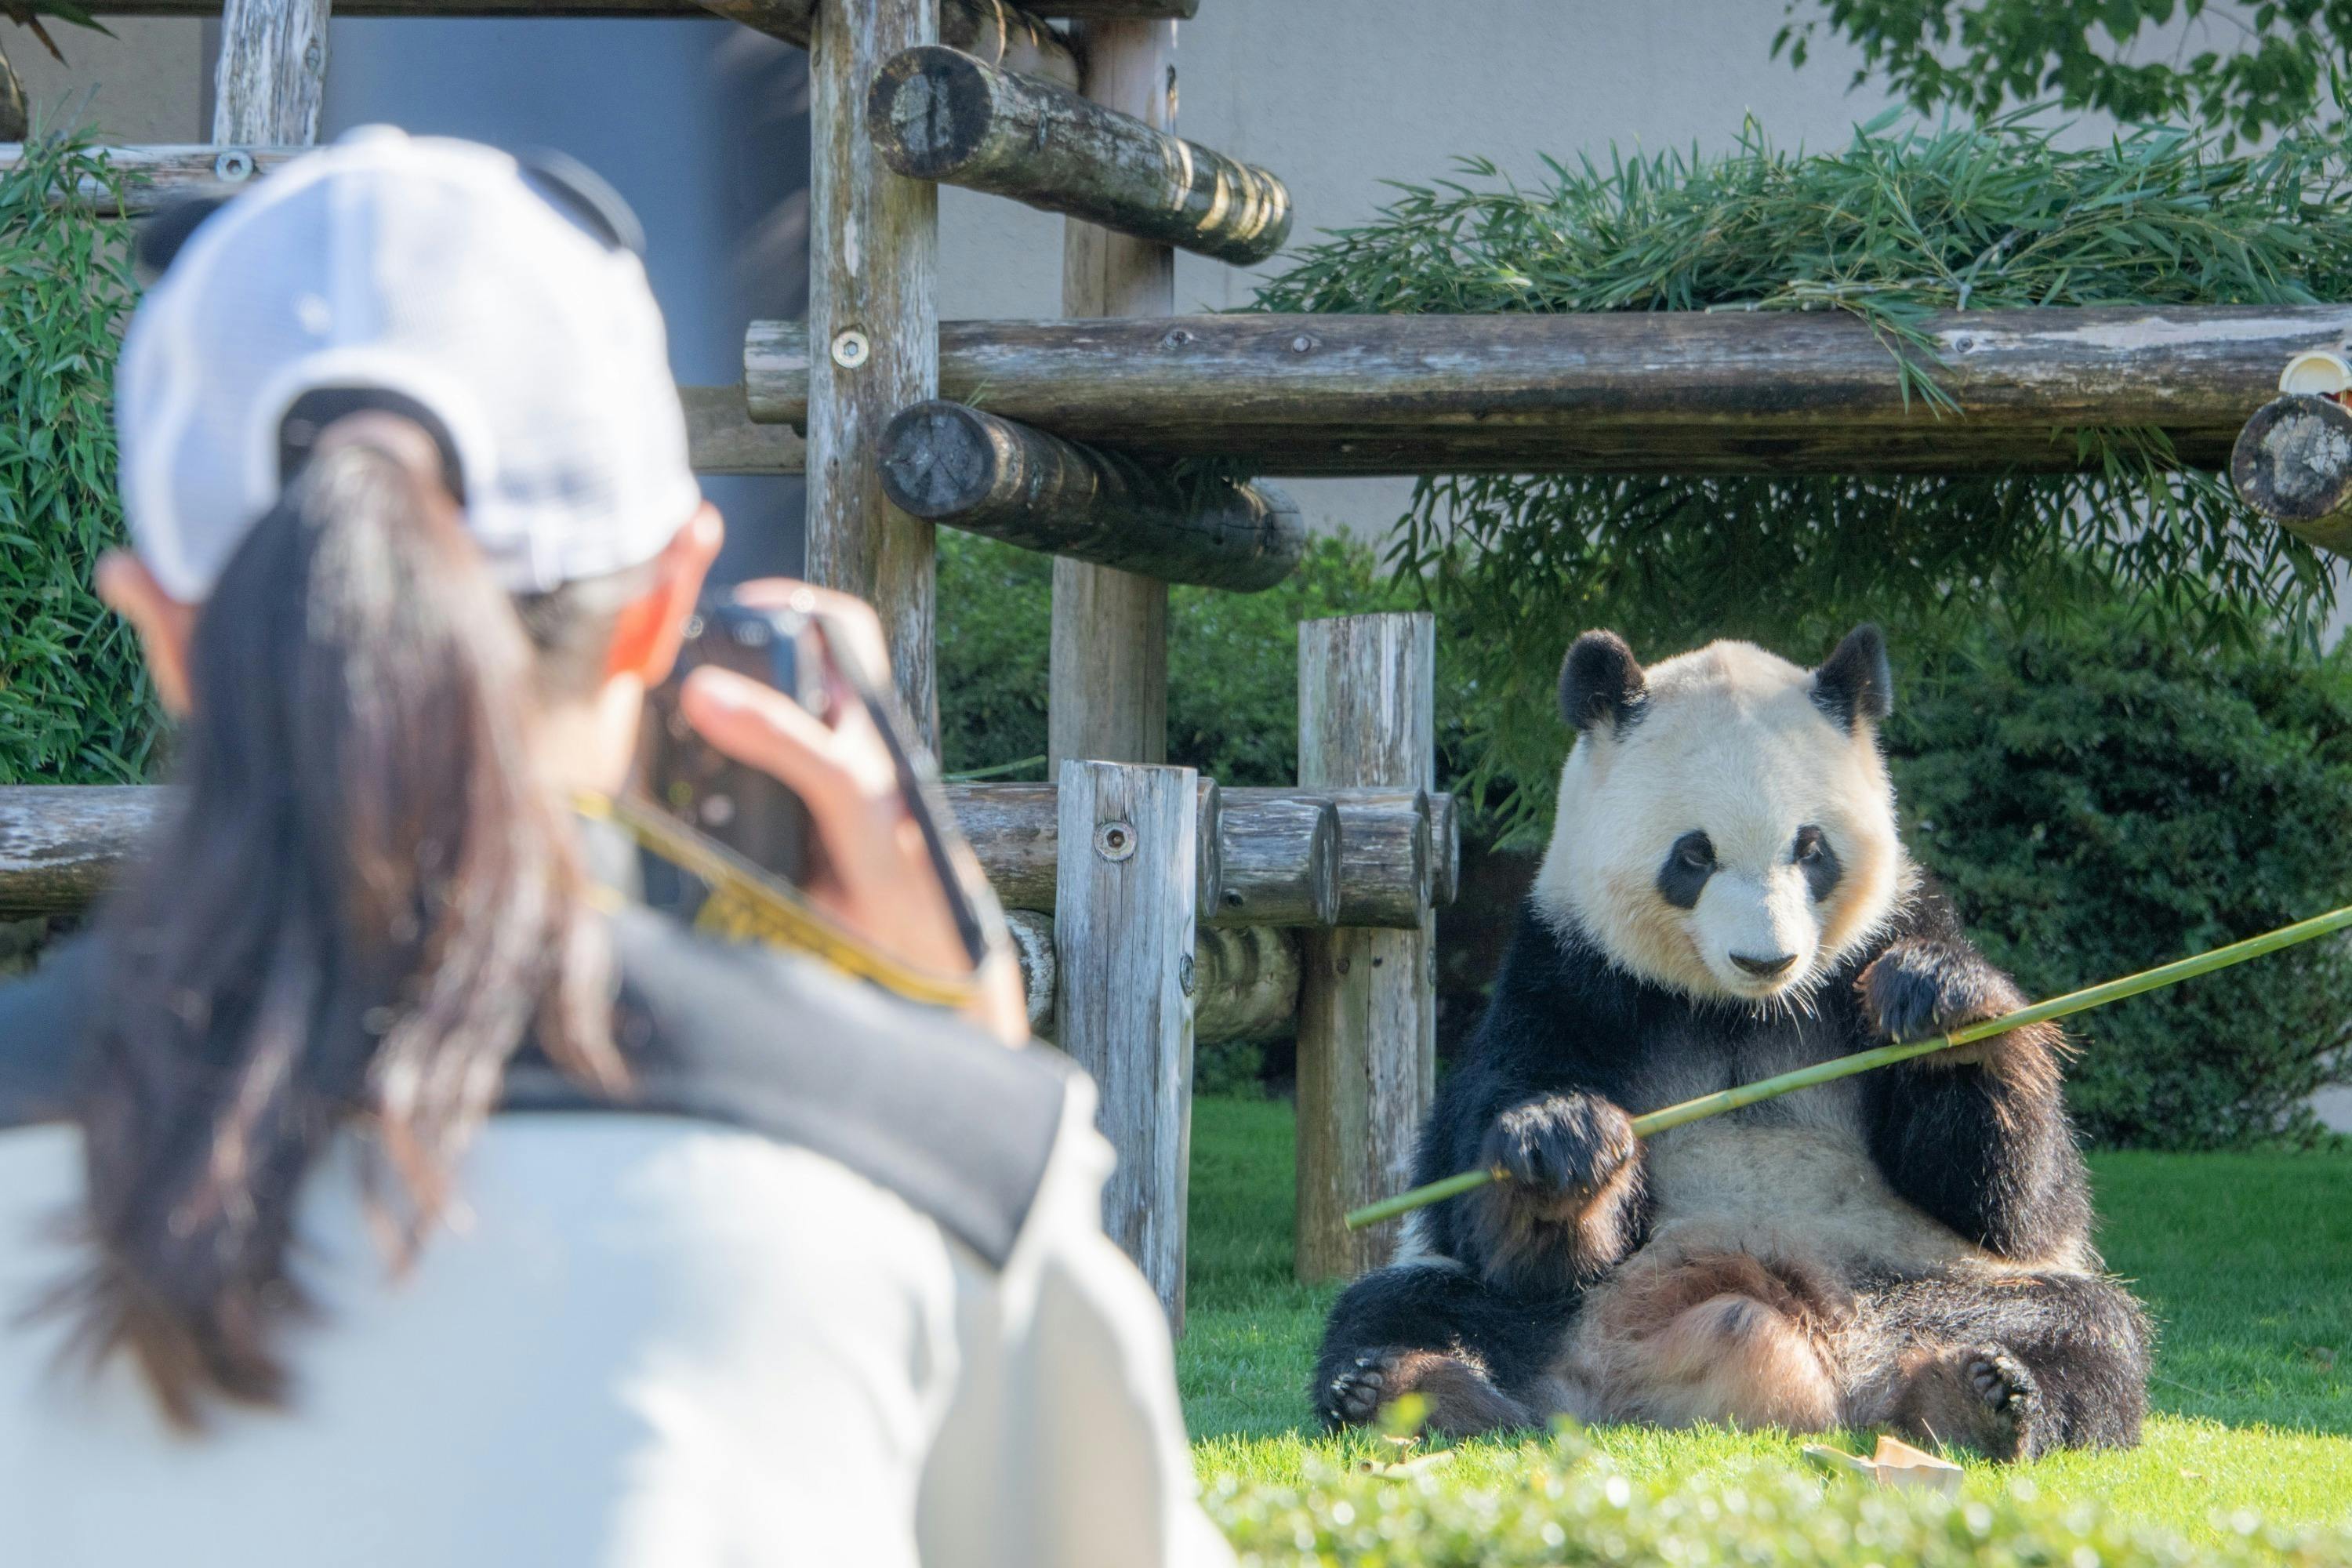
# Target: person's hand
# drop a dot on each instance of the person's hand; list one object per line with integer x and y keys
{"x": 876, "y": 877}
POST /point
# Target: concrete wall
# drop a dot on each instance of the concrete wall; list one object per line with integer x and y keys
{"x": 145, "y": 84}
{"x": 1338, "y": 96}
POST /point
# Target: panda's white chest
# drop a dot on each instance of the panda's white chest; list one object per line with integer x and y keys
{"x": 1791, "y": 1177}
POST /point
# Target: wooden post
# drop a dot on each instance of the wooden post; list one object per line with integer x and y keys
{"x": 272, "y": 77}
{"x": 941, "y": 114}
{"x": 1123, "y": 944}
{"x": 950, "y": 463}
{"x": 1366, "y": 999}
{"x": 874, "y": 257}
{"x": 1109, "y": 660}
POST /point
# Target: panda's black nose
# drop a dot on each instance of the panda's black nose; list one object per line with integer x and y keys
{"x": 1764, "y": 968}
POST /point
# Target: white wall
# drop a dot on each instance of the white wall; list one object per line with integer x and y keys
{"x": 1338, "y": 96}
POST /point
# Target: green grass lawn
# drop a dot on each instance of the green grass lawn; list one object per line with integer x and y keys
{"x": 2246, "y": 1260}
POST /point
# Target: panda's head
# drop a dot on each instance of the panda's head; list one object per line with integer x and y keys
{"x": 1726, "y": 824}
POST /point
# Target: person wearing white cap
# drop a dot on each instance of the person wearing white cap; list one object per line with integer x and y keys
{"x": 421, "y": 1207}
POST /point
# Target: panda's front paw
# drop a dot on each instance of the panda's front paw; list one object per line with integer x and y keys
{"x": 1915, "y": 991}
{"x": 1560, "y": 1151}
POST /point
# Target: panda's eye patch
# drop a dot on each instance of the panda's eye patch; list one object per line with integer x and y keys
{"x": 1813, "y": 856}
{"x": 1688, "y": 865}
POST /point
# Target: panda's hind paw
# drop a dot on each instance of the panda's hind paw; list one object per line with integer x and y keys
{"x": 2012, "y": 1402}
{"x": 1355, "y": 1396}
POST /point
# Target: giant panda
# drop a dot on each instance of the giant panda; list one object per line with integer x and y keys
{"x": 1725, "y": 897}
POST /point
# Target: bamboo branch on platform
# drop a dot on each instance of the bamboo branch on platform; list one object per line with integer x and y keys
{"x": 938, "y": 114}
{"x": 950, "y": 463}
{"x": 1658, "y": 392}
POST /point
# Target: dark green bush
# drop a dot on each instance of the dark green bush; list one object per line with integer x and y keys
{"x": 2099, "y": 800}
{"x": 74, "y": 702}
{"x": 1233, "y": 665}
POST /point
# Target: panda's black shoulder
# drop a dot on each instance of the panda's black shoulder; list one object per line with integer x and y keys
{"x": 1552, "y": 966}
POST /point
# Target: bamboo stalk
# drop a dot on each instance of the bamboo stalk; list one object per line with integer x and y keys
{"x": 1772, "y": 1088}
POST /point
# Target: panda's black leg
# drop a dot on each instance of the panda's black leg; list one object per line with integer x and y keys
{"x": 1479, "y": 1358}
{"x": 2013, "y": 1368}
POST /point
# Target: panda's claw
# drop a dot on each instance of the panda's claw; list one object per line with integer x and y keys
{"x": 2012, "y": 1398}
{"x": 1356, "y": 1396}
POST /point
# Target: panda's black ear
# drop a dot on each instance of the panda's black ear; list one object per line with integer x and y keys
{"x": 161, "y": 236}
{"x": 1601, "y": 684}
{"x": 1855, "y": 683}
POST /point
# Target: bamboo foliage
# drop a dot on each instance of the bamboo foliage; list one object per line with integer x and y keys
{"x": 1898, "y": 224}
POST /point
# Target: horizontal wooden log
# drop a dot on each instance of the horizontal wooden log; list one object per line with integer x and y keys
{"x": 1014, "y": 829}
{"x": 1281, "y": 854}
{"x": 1272, "y": 857}
{"x": 1445, "y": 850}
{"x": 1386, "y": 863}
{"x": 721, "y": 439}
{"x": 1270, "y": 848}
{"x": 937, "y": 114}
{"x": 957, "y": 465}
{"x": 1661, "y": 391}
{"x": 60, "y": 848}
{"x": 1245, "y": 978}
{"x": 2293, "y": 464}
{"x": 157, "y": 175}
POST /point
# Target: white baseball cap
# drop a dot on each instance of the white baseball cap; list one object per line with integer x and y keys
{"x": 507, "y": 301}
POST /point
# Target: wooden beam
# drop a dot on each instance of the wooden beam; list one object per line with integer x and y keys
{"x": 1123, "y": 945}
{"x": 1281, "y": 858}
{"x": 158, "y": 176}
{"x": 938, "y": 114}
{"x": 1387, "y": 858}
{"x": 720, "y": 439}
{"x": 2293, "y": 464}
{"x": 1659, "y": 391}
{"x": 1367, "y": 1001}
{"x": 1245, "y": 979}
{"x": 1014, "y": 829}
{"x": 60, "y": 848}
{"x": 272, "y": 77}
{"x": 1268, "y": 856}
{"x": 950, "y": 464}
{"x": 1107, "y": 675}
{"x": 874, "y": 259}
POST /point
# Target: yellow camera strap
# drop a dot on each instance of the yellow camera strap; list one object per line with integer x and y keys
{"x": 745, "y": 903}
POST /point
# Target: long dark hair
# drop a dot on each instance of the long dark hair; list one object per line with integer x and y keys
{"x": 368, "y": 899}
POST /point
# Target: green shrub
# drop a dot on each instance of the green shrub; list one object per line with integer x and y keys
{"x": 1233, "y": 664}
{"x": 74, "y": 701}
{"x": 2101, "y": 799}
{"x": 1563, "y": 1508}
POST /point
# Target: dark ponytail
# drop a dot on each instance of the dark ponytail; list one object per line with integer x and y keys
{"x": 368, "y": 900}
